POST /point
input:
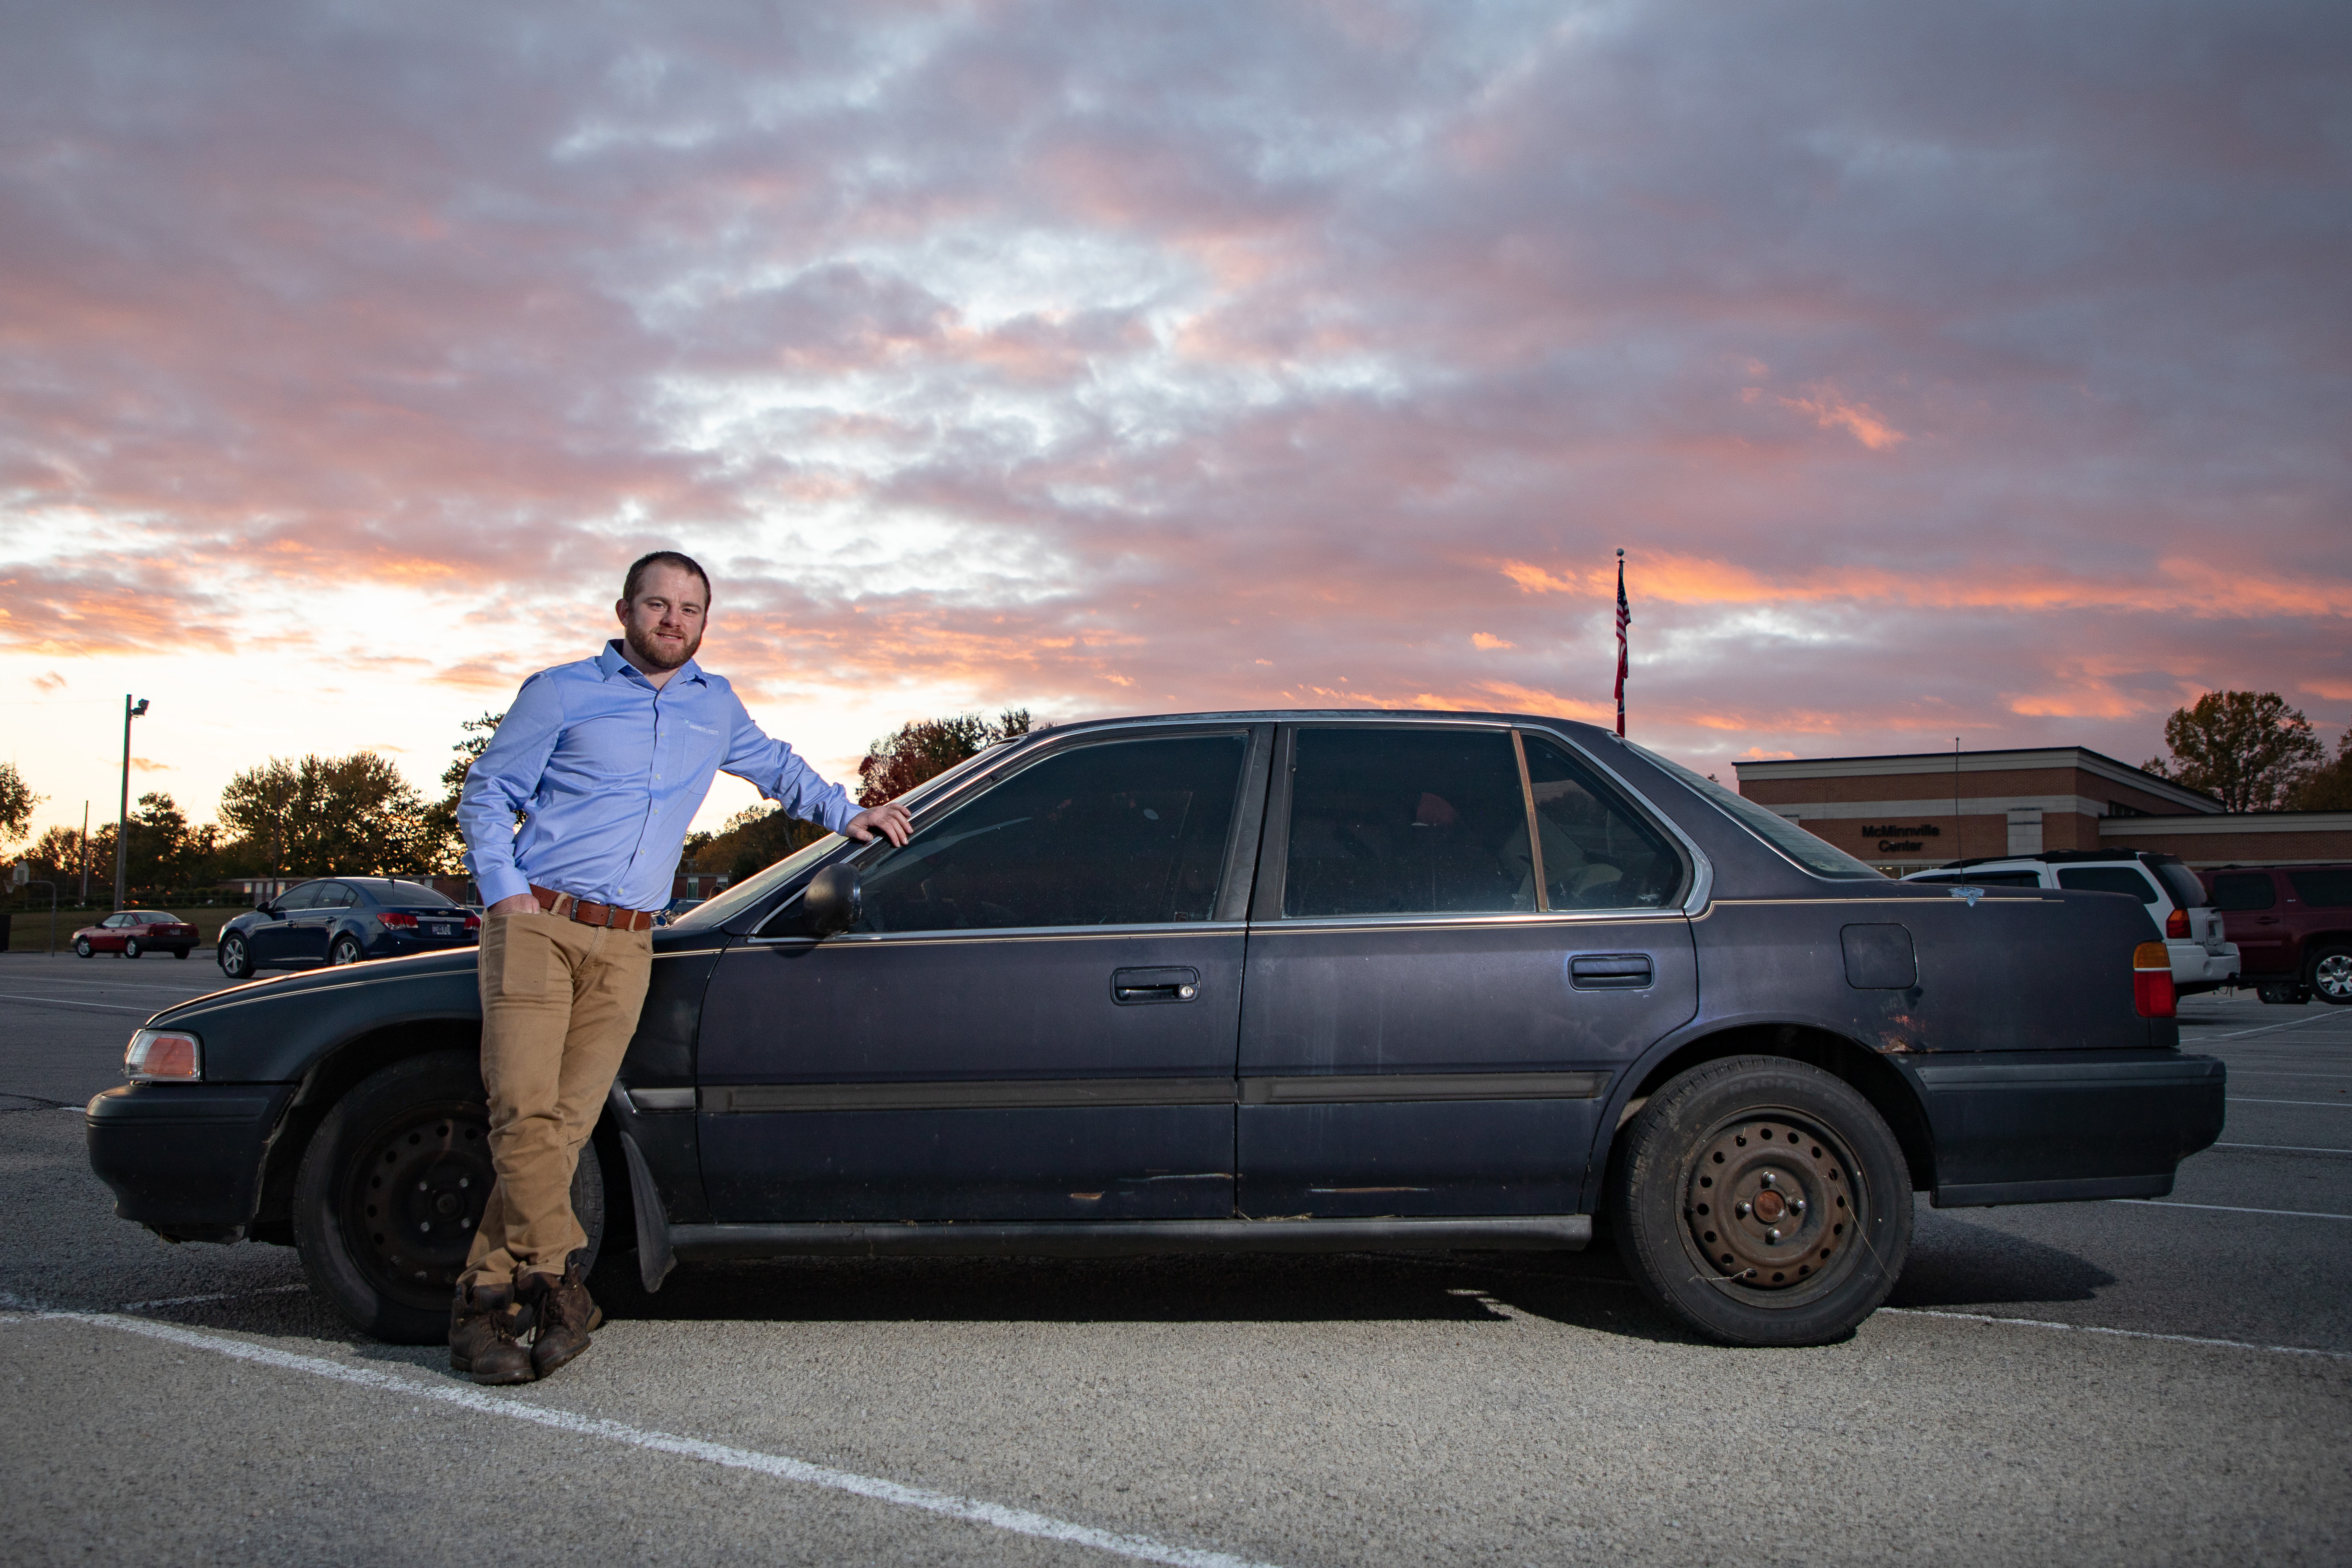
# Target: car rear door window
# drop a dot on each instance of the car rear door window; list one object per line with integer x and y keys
{"x": 1397, "y": 821}
{"x": 2244, "y": 890}
{"x": 335, "y": 896}
{"x": 1597, "y": 855}
{"x": 1126, "y": 832}
{"x": 2323, "y": 888}
{"x": 2108, "y": 879}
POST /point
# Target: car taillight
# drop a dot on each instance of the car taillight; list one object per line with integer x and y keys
{"x": 397, "y": 920}
{"x": 2175, "y": 925}
{"x": 2152, "y": 993}
{"x": 473, "y": 922}
{"x": 172, "y": 1056}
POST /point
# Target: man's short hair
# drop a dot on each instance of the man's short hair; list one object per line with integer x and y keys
{"x": 645, "y": 563}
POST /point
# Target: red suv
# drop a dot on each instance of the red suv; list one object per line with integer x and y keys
{"x": 2292, "y": 925}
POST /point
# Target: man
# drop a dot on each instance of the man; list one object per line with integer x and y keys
{"x": 607, "y": 761}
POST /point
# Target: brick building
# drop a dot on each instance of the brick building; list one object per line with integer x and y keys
{"x": 1909, "y": 811}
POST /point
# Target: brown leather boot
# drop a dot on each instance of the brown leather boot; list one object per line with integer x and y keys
{"x": 567, "y": 1315}
{"x": 482, "y": 1327}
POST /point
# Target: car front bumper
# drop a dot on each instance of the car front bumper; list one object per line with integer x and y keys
{"x": 185, "y": 1159}
{"x": 2029, "y": 1127}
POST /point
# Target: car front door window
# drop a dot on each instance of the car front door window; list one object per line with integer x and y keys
{"x": 1129, "y": 833}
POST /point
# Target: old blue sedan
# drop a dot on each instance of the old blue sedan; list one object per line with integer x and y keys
{"x": 1306, "y": 981}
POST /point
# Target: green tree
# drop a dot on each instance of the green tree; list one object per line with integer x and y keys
{"x": 166, "y": 851}
{"x": 324, "y": 815}
{"x": 2247, "y": 749}
{"x": 2328, "y": 788}
{"x": 748, "y": 842}
{"x": 445, "y": 844}
{"x": 925, "y": 748}
{"x": 16, "y": 803}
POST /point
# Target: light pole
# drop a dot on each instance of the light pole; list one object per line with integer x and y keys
{"x": 85, "y": 852}
{"x": 122, "y": 822}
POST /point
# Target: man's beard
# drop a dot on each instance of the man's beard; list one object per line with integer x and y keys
{"x": 646, "y": 649}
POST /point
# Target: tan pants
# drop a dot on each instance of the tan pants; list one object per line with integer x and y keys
{"x": 560, "y": 1000}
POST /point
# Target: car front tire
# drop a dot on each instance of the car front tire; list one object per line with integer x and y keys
{"x": 131, "y": 948}
{"x": 180, "y": 952}
{"x": 1762, "y": 1202}
{"x": 2330, "y": 978}
{"x": 346, "y": 949}
{"x": 82, "y": 947}
{"x": 235, "y": 957}
{"x": 391, "y": 1190}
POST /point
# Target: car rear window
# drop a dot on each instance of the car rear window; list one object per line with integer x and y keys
{"x": 397, "y": 895}
{"x": 1818, "y": 856}
{"x": 2329, "y": 888}
{"x": 1984, "y": 879}
{"x": 152, "y": 917}
{"x": 2244, "y": 890}
{"x": 2107, "y": 879}
{"x": 2180, "y": 882}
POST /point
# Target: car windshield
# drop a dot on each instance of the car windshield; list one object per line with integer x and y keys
{"x": 1817, "y": 855}
{"x": 724, "y": 906}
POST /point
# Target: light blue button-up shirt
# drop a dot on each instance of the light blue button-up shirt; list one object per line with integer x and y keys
{"x": 607, "y": 772}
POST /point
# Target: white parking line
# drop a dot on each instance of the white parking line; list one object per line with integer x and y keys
{"x": 61, "y": 1002}
{"x": 2268, "y": 1028}
{"x": 2116, "y": 1333}
{"x": 972, "y": 1510}
{"x": 2229, "y": 1209}
{"x": 2285, "y": 1148}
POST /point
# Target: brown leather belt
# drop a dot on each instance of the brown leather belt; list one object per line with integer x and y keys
{"x": 589, "y": 912}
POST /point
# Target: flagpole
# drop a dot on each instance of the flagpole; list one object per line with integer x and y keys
{"x": 1624, "y": 619}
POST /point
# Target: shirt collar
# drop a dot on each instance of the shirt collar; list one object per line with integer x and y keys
{"x": 612, "y": 663}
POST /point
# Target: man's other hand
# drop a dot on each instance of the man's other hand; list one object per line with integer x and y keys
{"x": 520, "y": 904}
{"x": 890, "y": 821}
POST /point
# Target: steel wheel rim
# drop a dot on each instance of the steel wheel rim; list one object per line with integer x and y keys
{"x": 1777, "y": 1243}
{"x": 2332, "y": 976}
{"x": 414, "y": 1199}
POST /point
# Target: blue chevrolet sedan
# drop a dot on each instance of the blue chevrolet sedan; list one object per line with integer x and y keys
{"x": 342, "y": 920}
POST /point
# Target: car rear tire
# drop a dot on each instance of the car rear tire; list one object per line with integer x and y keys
{"x": 1762, "y": 1202}
{"x": 236, "y": 959}
{"x": 391, "y": 1189}
{"x": 131, "y": 948}
{"x": 178, "y": 952}
{"x": 346, "y": 949}
{"x": 82, "y": 947}
{"x": 2330, "y": 975}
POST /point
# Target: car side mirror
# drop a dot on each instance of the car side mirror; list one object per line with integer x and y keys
{"x": 272, "y": 911}
{"x": 832, "y": 903}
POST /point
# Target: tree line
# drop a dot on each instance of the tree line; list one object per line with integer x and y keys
{"x": 314, "y": 816}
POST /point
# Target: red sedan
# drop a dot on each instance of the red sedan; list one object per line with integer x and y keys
{"x": 133, "y": 932}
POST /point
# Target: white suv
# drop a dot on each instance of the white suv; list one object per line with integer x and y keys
{"x": 2202, "y": 958}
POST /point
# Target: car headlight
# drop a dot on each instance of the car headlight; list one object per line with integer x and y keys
{"x": 163, "y": 1056}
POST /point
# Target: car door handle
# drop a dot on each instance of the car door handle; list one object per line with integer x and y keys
{"x": 1610, "y": 971}
{"x": 1140, "y": 987}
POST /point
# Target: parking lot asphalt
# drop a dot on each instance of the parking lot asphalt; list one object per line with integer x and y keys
{"x": 2157, "y": 1382}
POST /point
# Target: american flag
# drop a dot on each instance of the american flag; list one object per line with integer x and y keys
{"x": 1624, "y": 619}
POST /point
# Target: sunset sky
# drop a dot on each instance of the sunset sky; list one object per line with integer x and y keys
{"x": 1980, "y": 371}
